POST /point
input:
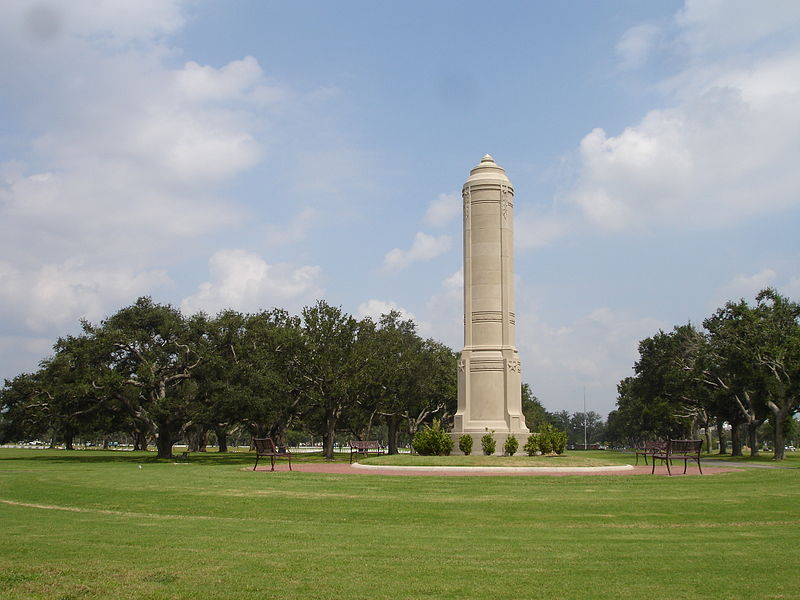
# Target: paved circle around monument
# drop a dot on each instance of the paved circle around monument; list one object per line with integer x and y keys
{"x": 619, "y": 470}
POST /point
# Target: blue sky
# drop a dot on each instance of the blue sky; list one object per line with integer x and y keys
{"x": 259, "y": 154}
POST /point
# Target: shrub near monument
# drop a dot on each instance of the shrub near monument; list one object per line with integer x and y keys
{"x": 433, "y": 441}
{"x": 465, "y": 444}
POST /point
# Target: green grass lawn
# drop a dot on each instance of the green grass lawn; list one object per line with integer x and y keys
{"x": 95, "y": 524}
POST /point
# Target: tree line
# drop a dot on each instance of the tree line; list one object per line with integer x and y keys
{"x": 739, "y": 372}
{"x": 156, "y": 374}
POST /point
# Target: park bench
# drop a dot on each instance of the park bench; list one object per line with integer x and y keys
{"x": 648, "y": 449}
{"x": 680, "y": 449}
{"x": 365, "y": 448}
{"x": 266, "y": 447}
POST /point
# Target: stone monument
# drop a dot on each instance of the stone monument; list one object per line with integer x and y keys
{"x": 489, "y": 374}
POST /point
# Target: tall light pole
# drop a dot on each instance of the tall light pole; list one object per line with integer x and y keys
{"x": 585, "y": 419}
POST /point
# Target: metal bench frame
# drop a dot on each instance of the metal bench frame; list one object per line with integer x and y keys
{"x": 680, "y": 449}
{"x": 650, "y": 448}
{"x": 266, "y": 447}
{"x": 365, "y": 448}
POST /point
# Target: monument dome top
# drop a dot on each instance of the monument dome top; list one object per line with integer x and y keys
{"x": 488, "y": 169}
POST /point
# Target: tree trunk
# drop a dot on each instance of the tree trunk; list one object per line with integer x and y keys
{"x": 779, "y": 419}
{"x": 69, "y": 437}
{"x": 736, "y": 440}
{"x": 222, "y": 438}
{"x": 139, "y": 441}
{"x": 723, "y": 444}
{"x": 164, "y": 441}
{"x": 278, "y": 432}
{"x": 752, "y": 437}
{"x": 392, "y": 423}
{"x": 329, "y": 438}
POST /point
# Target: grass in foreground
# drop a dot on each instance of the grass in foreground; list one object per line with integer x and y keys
{"x": 98, "y": 528}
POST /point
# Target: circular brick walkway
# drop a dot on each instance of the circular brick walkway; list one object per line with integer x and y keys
{"x": 355, "y": 469}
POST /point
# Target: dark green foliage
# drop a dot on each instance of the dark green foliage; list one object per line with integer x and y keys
{"x": 551, "y": 440}
{"x": 465, "y": 444}
{"x": 740, "y": 370}
{"x": 488, "y": 443}
{"x": 532, "y": 445}
{"x": 511, "y": 445}
{"x": 150, "y": 373}
{"x": 433, "y": 441}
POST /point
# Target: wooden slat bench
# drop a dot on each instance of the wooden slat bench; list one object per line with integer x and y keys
{"x": 650, "y": 448}
{"x": 365, "y": 448}
{"x": 680, "y": 449}
{"x": 266, "y": 447}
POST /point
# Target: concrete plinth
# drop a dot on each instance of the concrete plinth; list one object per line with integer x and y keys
{"x": 499, "y": 438}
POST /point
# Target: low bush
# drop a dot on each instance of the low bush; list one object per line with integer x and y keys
{"x": 488, "y": 443}
{"x": 551, "y": 440}
{"x": 532, "y": 445}
{"x": 465, "y": 444}
{"x": 511, "y": 445}
{"x": 433, "y": 441}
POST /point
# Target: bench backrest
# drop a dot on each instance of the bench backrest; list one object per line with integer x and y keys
{"x": 365, "y": 444}
{"x": 265, "y": 446}
{"x": 685, "y": 447}
{"x": 653, "y": 446}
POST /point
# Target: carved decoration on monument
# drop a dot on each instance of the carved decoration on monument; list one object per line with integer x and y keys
{"x": 505, "y": 202}
{"x": 487, "y": 316}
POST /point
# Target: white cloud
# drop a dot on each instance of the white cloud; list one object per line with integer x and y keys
{"x": 376, "y": 308}
{"x": 597, "y": 350}
{"x": 792, "y": 289}
{"x": 243, "y": 281}
{"x": 129, "y": 155}
{"x": 720, "y": 26}
{"x": 537, "y": 227}
{"x": 636, "y": 44}
{"x": 295, "y": 231}
{"x": 58, "y": 295}
{"x": 723, "y": 149}
{"x": 425, "y": 247}
{"x": 110, "y": 21}
{"x": 445, "y": 312}
{"x": 742, "y": 286}
{"x": 442, "y": 210}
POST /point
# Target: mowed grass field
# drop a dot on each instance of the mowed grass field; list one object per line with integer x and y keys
{"x": 95, "y": 524}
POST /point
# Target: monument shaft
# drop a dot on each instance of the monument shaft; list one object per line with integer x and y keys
{"x": 489, "y": 374}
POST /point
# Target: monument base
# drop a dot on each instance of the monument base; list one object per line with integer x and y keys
{"x": 499, "y": 438}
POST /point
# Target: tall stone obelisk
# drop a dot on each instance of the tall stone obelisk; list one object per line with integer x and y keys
{"x": 489, "y": 375}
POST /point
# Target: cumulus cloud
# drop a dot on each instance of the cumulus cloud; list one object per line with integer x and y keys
{"x": 442, "y": 210}
{"x": 125, "y": 168}
{"x": 444, "y": 318}
{"x": 743, "y": 286}
{"x": 57, "y": 295}
{"x": 374, "y": 309}
{"x": 244, "y": 281}
{"x": 723, "y": 149}
{"x": 636, "y": 44}
{"x": 792, "y": 288}
{"x": 425, "y": 247}
{"x": 538, "y": 227}
{"x": 597, "y": 350}
{"x": 294, "y": 231}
